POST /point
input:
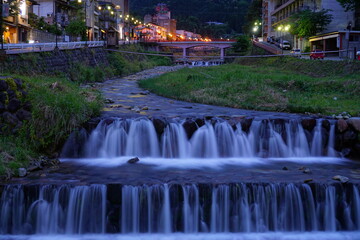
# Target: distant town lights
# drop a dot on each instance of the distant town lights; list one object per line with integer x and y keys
{"x": 99, "y": 7}
{"x": 79, "y": 1}
{"x": 108, "y": 7}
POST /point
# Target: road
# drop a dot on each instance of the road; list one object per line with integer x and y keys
{"x": 276, "y": 50}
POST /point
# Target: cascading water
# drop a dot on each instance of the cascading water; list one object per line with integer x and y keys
{"x": 211, "y": 206}
{"x": 205, "y": 63}
{"x": 50, "y": 209}
{"x": 188, "y": 208}
{"x": 214, "y": 139}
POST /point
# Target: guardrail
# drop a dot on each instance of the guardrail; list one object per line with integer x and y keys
{"x": 122, "y": 42}
{"x": 38, "y": 47}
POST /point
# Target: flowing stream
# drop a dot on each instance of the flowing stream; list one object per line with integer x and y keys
{"x": 239, "y": 210}
{"x": 213, "y": 139}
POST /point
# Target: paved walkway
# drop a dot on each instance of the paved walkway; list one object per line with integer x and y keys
{"x": 126, "y": 99}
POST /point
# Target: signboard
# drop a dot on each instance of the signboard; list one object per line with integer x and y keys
{"x": 5, "y": 10}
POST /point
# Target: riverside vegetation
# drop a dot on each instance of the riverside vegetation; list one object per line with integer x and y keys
{"x": 273, "y": 84}
{"x": 59, "y": 104}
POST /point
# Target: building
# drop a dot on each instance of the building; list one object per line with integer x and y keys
{"x": 154, "y": 32}
{"x": 17, "y": 28}
{"x": 100, "y": 18}
{"x": 121, "y": 11}
{"x": 52, "y": 11}
{"x": 162, "y": 18}
{"x": 276, "y": 14}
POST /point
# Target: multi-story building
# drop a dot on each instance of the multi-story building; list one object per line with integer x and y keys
{"x": 277, "y": 13}
{"x": 121, "y": 10}
{"x": 17, "y": 28}
{"x": 53, "y": 11}
{"x": 162, "y": 18}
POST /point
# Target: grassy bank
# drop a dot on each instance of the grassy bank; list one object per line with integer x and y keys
{"x": 123, "y": 64}
{"x": 58, "y": 106}
{"x": 274, "y": 84}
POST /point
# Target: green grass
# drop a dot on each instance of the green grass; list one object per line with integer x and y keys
{"x": 56, "y": 112}
{"x": 123, "y": 64}
{"x": 266, "y": 85}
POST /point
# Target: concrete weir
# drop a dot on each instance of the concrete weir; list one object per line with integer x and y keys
{"x": 156, "y": 168}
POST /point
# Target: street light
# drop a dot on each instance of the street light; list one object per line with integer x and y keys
{"x": 282, "y": 29}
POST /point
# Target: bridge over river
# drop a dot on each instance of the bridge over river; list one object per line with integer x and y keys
{"x": 222, "y": 45}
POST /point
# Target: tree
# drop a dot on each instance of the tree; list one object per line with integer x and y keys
{"x": 77, "y": 28}
{"x": 349, "y": 4}
{"x": 308, "y": 23}
{"x": 242, "y": 44}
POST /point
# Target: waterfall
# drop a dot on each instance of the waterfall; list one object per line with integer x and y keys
{"x": 214, "y": 139}
{"x": 51, "y": 209}
{"x": 317, "y": 141}
{"x": 174, "y": 142}
{"x": 203, "y": 142}
{"x": 331, "y": 146}
{"x": 188, "y": 208}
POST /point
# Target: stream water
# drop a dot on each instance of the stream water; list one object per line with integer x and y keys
{"x": 205, "y": 209}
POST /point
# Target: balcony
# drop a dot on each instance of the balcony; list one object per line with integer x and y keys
{"x": 107, "y": 18}
{"x": 282, "y": 6}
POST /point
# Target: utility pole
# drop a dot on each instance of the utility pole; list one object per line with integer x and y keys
{"x": 348, "y": 38}
{"x": 1, "y": 25}
{"x": 56, "y": 27}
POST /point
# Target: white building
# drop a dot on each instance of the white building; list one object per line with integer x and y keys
{"x": 277, "y": 12}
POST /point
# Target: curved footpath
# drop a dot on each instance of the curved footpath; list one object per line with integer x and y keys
{"x": 126, "y": 99}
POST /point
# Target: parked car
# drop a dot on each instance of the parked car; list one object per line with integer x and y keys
{"x": 317, "y": 54}
{"x": 296, "y": 52}
{"x": 285, "y": 45}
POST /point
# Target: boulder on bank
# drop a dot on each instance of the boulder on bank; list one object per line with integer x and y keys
{"x": 354, "y": 123}
{"x": 159, "y": 125}
{"x": 308, "y": 123}
{"x": 190, "y": 127}
{"x": 341, "y": 125}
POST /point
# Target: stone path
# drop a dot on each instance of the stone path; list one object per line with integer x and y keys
{"x": 128, "y": 100}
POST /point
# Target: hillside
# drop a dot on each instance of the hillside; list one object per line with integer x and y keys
{"x": 193, "y": 14}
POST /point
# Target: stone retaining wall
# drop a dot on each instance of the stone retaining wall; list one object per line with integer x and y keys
{"x": 54, "y": 62}
{"x": 13, "y": 109}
